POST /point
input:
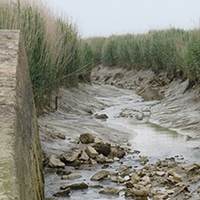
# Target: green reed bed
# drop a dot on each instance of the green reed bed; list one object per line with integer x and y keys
{"x": 175, "y": 51}
{"x": 53, "y": 46}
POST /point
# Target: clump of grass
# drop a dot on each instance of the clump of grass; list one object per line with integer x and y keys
{"x": 174, "y": 51}
{"x": 53, "y": 46}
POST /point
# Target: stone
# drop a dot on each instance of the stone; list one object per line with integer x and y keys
{"x": 61, "y": 136}
{"x": 145, "y": 180}
{"x": 110, "y": 191}
{"x": 142, "y": 192}
{"x": 118, "y": 179}
{"x": 93, "y": 162}
{"x": 72, "y": 176}
{"x": 160, "y": 173}
{"x": 76, "y": 186}
{"x": 143, "y": 160}
{"x": 55, "y": 162}
{"x": 100, "y": 158}
{"x": 176, "y": 176}
{"x": 84, "y": 156}
{"x": 101, "y": 116}
{"x": 100, "y": 175}
{"x": 135, "y": 178}
{"x": 129, "y": 144}
{"x": 104, "y": 149}
{"x": 62, "y": 193}
{"x": 86, "y": 138}
{"x": 70, "y": 157}
{"x": 91, "y": 152}
{"x": 109, "y": 160}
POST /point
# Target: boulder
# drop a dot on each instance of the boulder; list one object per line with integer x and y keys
{"x": 70, "y": 157}
{"x": 135, "y": 178}
{"x": 176, "y": 176}
{"x": 86, "y": 138}
{"x": 55, "y": 162}
{"x": 118, "y": 179}
{"x": 93, "y": 162}
{"x": 101, "y": 116}
{"x": 104, "y": 149}
{"x": 91, "y": 152}
{"x": 62, "y": 193}
{"x": 76, "y": 186}
{"x": 100, "y": 158}
{"x": 84, "y": 156}
{"x": 145, "y": 180}
{"x": 100, "y": 175}
{"x": 110, "y": 191}
{"x": 142, "y": 192}
{"x": 72, "y": 176}
{"x": 160, "y": 173}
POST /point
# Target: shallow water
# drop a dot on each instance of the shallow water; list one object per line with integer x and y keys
{"x": 151, "y": 140}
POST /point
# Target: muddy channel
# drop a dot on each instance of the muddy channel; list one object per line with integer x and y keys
{"x": 135, "y": 124}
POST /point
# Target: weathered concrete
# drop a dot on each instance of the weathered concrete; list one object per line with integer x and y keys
{"x": 20, "y": 153}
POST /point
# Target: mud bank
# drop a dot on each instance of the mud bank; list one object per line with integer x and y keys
{"x": 179, "y": 109}
{"x": 137, "y": 98}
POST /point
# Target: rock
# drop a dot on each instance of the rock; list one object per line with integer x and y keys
{"x": 142, "y": 192}
{"x": 160, "y": 173}
{"x": 145, "y": 180}
{"x": 179, "y": 190}
{"x": 110, "y": 191}
{"x": 76, "y": 186}
{"x": 86, "y": 138}
{"x": 84, "y": 156}
{"x": 70, "y": 157}
{"x": 104, "y": 149}
{"x": 129, "y": 144}
{"x": 100, "y": 175}
{"x": 55, "y": 162}
{"x": 61, "y": 136}
{"x": 143, "y": 160}
{"x": 116, "y": 159}
{"x": 135, "y": 178}
{"x": 118, "y": 179}
{"x": 72, "y": 176}
{"x": 91, "y": 152}
{"x": 176, "y": 176}
{"x": 93, "y": 162}
{"x": 101, "y": 116}
{"x": 192, "y": 167}
{"x": 62, "y": 193}
{"x": 100, "y": 158}
{"x": 121, "y": 153}
{"x": 63, "y": 172}
{"x": 109, "y": 160}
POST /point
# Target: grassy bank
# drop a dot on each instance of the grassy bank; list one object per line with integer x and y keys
{"x": 174, "y": 50}
{"x": 56, "y": 54}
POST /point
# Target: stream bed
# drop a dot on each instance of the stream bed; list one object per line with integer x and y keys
{"x": 128, "y": 125}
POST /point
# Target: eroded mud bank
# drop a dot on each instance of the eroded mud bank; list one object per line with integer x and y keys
{"x": 137, "y": 100}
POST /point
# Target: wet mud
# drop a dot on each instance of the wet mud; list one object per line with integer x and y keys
{"x": 156, "y": 121}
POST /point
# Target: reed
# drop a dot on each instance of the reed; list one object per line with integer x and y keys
{"x": 174, "y": 51}
{"x": 53, "y": 46}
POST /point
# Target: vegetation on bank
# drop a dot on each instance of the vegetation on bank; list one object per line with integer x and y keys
{"x": 175, "y": 51}
{"x": 56, "y": 54}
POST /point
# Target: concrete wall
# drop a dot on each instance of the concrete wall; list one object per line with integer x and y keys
{"x": 20, "y": 153}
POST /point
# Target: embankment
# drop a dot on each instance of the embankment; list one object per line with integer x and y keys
{"x": 20, "y": 154}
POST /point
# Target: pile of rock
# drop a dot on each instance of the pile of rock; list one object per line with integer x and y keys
{"x": 171, "y": 177}
{"x": 99, "y": 152}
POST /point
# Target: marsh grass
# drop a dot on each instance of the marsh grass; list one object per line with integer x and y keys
{"x": 175, "y": 51}
{"x": 53, "y": 46}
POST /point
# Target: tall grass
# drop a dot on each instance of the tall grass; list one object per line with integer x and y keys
{"x": 175, "y": 51}
{"x": 53, "y": 46}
